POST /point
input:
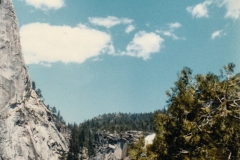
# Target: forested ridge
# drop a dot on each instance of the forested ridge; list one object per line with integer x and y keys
{"x": 121, "y": 122}
{"x": 82, "y": 135}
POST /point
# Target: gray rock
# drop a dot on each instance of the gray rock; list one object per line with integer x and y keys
{"x": 14, "y": 79}
{"x": 27, "y": 128}
{"x": 29, "y": 131}
{"x": 114, "y": 146}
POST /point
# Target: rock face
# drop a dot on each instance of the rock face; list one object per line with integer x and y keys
{"x": 14, "y": 79}
{"x": 27, "y": 128}
{"x": 114, "y": 146}
{"x": 28, "y": 131}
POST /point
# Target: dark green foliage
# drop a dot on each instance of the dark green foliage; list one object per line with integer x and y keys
{"x": 119, "y": 122}
{"x": 54, "y": 110}
{"x": 39, "y": 93}
{"x": 91, "y": 151}
{"x": 202, "y": 120}
{"x": 74, "y": 147}
{"x": 33, "y": 85}
{"x": 138, "y": 151}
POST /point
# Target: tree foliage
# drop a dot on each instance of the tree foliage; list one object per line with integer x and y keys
{"x": 74, "y": 147}
{"x": 138, "y": 150}
{"x": 33, "y": 85}
{"x": 119, "y": 122}
{"x": 202, "y": 120}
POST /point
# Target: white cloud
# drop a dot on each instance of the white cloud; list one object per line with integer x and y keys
{"x": 233, "y": 8}
{"x": 216, "y": 34}
{"x": 170, "y": 31}
{"x": 129, "y": 28}
{"x": 46, "y": 4}
{"x": 170, "y": 34}
{"x": 143, "y": 45}
{"x": 200, "y": 10}
{"x": 175, "y": 25}
{"x": 42, "y": 42}
{"x": 109, "y": 22}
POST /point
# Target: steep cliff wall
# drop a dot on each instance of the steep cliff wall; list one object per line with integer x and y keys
{"x": 27, "y": 128}
{"x": 14, "y": 79}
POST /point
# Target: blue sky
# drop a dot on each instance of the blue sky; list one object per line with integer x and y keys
{"x": 91, "y": 57}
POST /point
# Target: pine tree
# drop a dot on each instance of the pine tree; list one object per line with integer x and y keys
{"x": 74, "y": 147}
{"x": 54, "y": 110}
{"x": 33, "y": 85}
{"x": 91, "y": 151}
{"x": 39, "y": 93}
{"x": 202, "y": 121}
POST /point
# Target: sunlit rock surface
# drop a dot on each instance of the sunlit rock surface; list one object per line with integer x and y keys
{"x": 27, "y": 128}
{"x": 114, "y": 146}
{"x": 28, "y": 131}
{"x": 14, "y": 79}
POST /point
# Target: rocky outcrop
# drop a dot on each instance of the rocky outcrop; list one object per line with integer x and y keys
{"x": 28, "y": 131}
{"x": 84, "y": 154}
{"x": 114, "y": 146}
{"x": 27, "y": 128}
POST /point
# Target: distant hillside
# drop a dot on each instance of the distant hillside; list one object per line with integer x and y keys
{"x": 83, "y": 135}
{"x": 121, "y": 122}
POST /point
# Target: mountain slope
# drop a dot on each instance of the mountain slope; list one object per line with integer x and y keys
{"x": 108, "y": 135}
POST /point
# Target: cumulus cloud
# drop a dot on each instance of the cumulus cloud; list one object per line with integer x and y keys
{"x": 200, "y": 10}
{"x": 109, "y": 22}
{"x": 233, "y": 8}
{"x": 216, "y": 34}
{"x": 129, "y": 28}
{"x": 46, "y": 4}
{"x": 42, "y": 42}
{"x": 144, "y": 45}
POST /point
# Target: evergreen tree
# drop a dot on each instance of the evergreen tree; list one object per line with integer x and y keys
{"x": 33, "y": 85}
{"x": 138, "y": 151}
{"x": 202, "y": 121}
{"x": 74, "y": 147}
{"x": 39, "y": 93}
{"x": 54, "y": 110}
{"x": 58, "y": 115}
{"x": 91, "y": 151}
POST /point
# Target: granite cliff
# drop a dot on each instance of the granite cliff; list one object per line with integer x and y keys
{"x": 114, "y": 146}
{"x": 27, "y": 128}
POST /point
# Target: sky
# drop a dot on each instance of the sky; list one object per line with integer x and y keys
{"x": 91, "y": 57}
